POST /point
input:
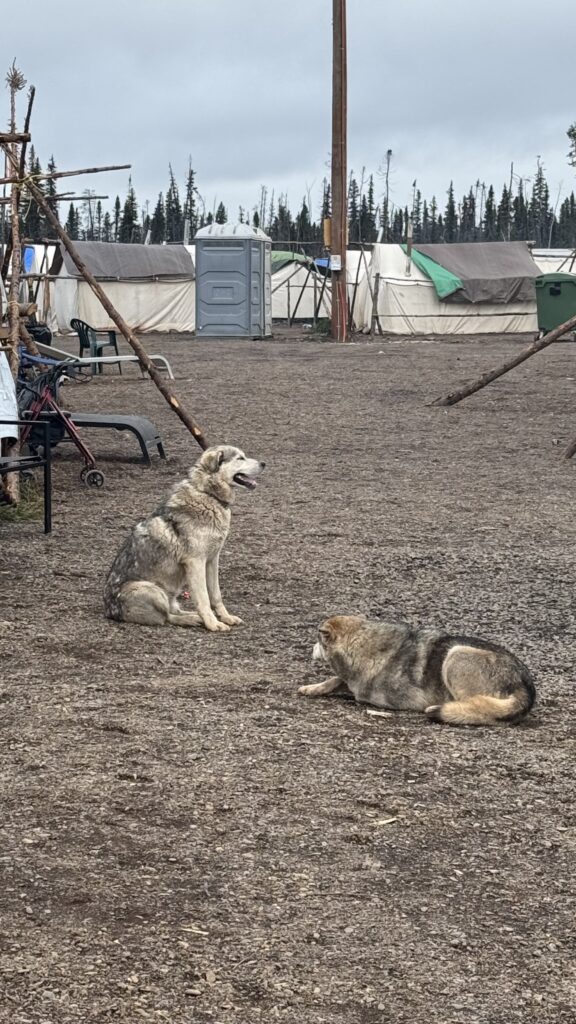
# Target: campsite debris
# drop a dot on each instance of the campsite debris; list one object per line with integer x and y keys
{"x": 16, "y": 177}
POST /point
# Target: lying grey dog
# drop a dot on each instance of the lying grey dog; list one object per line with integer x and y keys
{"x": 177, "y": 548}
{"x": 456, "y": 679}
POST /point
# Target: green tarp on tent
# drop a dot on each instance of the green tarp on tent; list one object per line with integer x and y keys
{"x": 280, "y": 257}
{"x": 444, "y": 281}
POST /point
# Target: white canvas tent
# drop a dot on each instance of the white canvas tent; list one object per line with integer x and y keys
{"x": 552, "y": 261}
{"x": 408, "y": 303}
{"x": 151, "y": 286}
{"x": 297, "y": 291}
{"x": 297, "y": 287}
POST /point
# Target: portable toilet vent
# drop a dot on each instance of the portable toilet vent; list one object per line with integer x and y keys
{"x": 233, "y": 282}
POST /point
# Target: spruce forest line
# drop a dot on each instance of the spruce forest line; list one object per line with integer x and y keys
{"x": 523, "y": 211}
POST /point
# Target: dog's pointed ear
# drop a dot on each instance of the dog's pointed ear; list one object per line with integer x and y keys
{"x": 327, "y": 632}
{"x": 212, "y": 459}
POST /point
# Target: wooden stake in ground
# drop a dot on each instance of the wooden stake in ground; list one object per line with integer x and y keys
{"x": 145, "y": 361}
{"x": 456, "y": 396}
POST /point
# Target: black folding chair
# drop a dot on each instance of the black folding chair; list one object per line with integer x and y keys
{"x": 26, "y": 463}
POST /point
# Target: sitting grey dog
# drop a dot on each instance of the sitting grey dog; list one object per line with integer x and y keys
{"x": 177, "y": 548}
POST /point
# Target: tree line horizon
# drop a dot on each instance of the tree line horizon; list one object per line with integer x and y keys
{"x": 521, "y": 211}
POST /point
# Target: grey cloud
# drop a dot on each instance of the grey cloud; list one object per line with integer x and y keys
{"x": 456, "y": 90}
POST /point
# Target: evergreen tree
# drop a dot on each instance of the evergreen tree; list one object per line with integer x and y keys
{"x": 435, "y": 226}
{"x": 326, "y": 210}
{"x": 271, "y": 214}
{"x": 303, "y": 225}
{"x": 107, "y": 229}
{"x": 520, "y": 230}
{"x": 32, "y": 219}
{"x": 50, "y": 190}
{"x": 565, "y": 237}
{"x": 189, "y": 212}
{"x": 540, "y": 215}
{"x": 221, "y": 216}
{"x": 98, "y": 222}
{"x": 129, "y": 225}
{"x": 173, "y": 207}
{"x": 450, "y": 217}
{"x": 504, "y": 216}
{"x": 353, "y": 210}
{"x": 397, "y": 227}
{"x": 158, "y": 223}
{"x": 467, "y": 231}
{"x": 425, "y": 232}
{"x": 369, "y": 231}
{"x": 277, "y": 227}
{"x": 490, "y": 224}
{"x": 117, "y": 220}
{"x": 72, "y": 226}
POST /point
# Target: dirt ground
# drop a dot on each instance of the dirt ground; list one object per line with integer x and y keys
{"x": 184, "y": 839}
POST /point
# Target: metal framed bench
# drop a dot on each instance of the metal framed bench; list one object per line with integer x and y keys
{"x": 144, "y": 430}
{"x": 58, "y": 353}
{"x": 26, "y": 463}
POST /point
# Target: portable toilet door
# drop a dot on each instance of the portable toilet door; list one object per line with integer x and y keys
{"x": 233, "y": 282}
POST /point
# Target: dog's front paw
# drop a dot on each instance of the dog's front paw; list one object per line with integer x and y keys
{"x": 303, "y": 690}
{"x": 214, "y": 626}
{"x": 230, "y": 620}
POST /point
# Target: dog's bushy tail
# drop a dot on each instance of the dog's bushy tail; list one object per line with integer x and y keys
{"x": 485, "y": 710}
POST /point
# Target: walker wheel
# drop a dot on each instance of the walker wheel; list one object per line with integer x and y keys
{"x": 94, "y": 478}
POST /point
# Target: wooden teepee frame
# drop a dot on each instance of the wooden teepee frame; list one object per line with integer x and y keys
{"x": 10, "y": 143}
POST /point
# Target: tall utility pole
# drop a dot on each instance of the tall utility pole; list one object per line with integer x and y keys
{"x": 339, "y": 173}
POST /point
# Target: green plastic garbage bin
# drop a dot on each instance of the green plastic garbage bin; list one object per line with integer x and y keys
{"x": 555, "y": 300}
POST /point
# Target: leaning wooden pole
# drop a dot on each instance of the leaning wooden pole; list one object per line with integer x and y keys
{"x": 145, "y": 361}
{"x": 456, "y": 396}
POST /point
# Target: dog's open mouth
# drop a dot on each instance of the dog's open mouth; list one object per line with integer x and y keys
{"x": 244, "y": 481}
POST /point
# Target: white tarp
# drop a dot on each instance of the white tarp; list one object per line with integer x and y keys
{"x": 161, "y": 303}
{"x": 8, "y": 402}
{"x": 408, "y": 303}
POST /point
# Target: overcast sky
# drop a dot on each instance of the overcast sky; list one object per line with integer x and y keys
{"x": 456, "y": 89}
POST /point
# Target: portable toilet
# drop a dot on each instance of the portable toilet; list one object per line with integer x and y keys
{"x": 233, "y": 282}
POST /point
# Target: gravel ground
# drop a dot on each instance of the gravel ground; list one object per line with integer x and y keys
{"x": 183, "y": 838}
